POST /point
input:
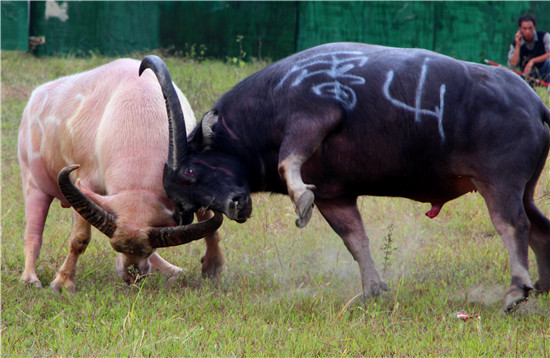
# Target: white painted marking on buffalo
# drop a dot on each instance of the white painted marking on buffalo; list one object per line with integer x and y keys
{"x": 338, "y": 64}
{"x": 418, "y": 111}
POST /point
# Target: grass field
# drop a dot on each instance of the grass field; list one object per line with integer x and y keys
{"x": 284, "y": 291}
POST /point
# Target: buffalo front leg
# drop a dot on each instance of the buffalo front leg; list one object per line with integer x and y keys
{"x": 78, "y": 242}
{"x": 300, "y": 193}
{"x": 344, "y": 218}
{"x": 213, "y": 260}
{"x": 303, "y": 136}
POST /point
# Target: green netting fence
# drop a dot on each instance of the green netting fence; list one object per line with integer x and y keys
{"x": 15, "y": 25}
{"x": 469, "y": 30}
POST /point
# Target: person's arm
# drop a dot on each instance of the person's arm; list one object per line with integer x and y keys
{"x": 513, "y": 55}
{"x": 531, "y": 63}
{"x": 540, "y": 58}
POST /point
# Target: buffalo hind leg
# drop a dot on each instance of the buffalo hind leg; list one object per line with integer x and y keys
{"x": 78, "y": 242}
{"x": 512, "y": 223}
{"x": 539, "y": 236}
{"x": 171, "y": 272}
{"x": 37, "y": 205}
{"x": 212, "y": 261}
{"x": 344, "y": 218}
{"x": 539, "y": 239}
{"x": 303, "y": 136}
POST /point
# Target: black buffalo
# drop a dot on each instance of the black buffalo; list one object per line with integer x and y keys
{"x": 341, "y": 120}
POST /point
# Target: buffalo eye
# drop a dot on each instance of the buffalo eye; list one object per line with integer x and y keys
{"x": 187, "y": 177}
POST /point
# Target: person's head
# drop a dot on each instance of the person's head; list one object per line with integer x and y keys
{"x": 527, "y": 25}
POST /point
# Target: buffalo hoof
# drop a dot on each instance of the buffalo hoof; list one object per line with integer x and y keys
{"x": 35, "y": 284}
{"x": 212, "y": 266}
{"x": 514, "y": 298}
{"x": 542, "y": 286}
{"x": 173, "y": 275}
{"x": 31, "y": 279}
{"x": 376, "y": 288}
{"x": 304, "y": 208}
{"x": 56, "y": 288}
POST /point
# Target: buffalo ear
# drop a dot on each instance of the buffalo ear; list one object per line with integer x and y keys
{"x": 207, "y": 126}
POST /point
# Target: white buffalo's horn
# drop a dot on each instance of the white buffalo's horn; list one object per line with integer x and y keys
{"x": 93, "y": 213}
{"x": 176, "y": 121}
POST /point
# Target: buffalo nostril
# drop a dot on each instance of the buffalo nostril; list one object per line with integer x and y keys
{"x": 237, "y": 200}
{"x": 238, "y": 207}
{"x": 242, "y": 205}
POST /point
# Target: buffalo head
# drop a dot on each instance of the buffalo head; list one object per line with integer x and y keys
{"x": 197, "y": 176}
{"x": 137, "y": 237}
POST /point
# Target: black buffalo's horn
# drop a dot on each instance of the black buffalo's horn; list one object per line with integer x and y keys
{"x": 89, "y": 210}
{"x": 176, "y": 120}
{"x": 179, "y": 235}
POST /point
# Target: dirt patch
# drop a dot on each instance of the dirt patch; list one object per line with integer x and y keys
{"x": 18, "y": 92}
{"x": 487, "y": 295}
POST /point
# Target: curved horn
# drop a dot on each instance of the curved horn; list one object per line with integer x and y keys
{"x": 174, "y": 236}
{"x": 176, "y": 120}
{"x": 89, "y": 210}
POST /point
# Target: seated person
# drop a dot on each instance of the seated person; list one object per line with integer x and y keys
{"x": 530, "y": 50}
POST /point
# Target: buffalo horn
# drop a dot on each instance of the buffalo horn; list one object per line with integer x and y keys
{"x": 176, "y": 121}
{"x": 89, "y": 210}
{"x": 179, "y": 235}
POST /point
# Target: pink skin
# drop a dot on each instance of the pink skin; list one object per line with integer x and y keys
{"x": 434, "y": 211}
{"x": 112, "y": 123}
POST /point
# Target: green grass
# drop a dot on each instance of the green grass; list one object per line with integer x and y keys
{"x": 284, "y": 291}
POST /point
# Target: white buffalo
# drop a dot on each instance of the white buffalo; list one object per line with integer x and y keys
{"x": 110, "y": 124}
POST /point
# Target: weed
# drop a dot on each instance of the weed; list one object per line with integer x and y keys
{"x": 239, "y": 60}
{"x": 190, "y": 52}
{"x": 388, "y": 247}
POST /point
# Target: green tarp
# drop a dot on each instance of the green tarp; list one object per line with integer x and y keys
{"x": 230, "y": 29}
{"x": 469, "y": 30}
{"x": 105, "y": 27}
{"x": 15, "y": 25}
